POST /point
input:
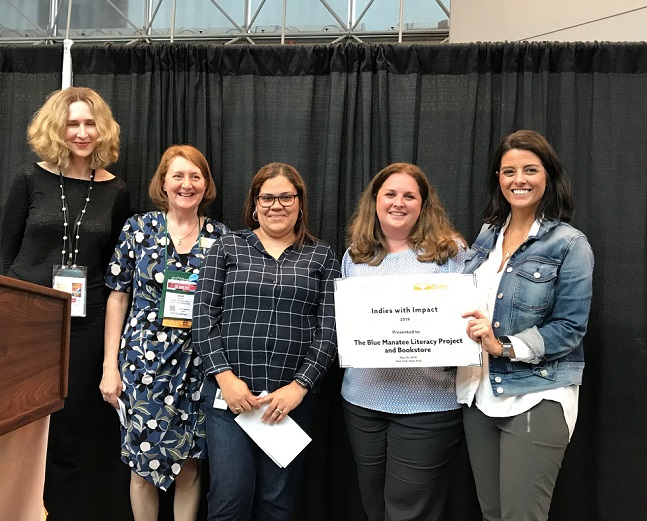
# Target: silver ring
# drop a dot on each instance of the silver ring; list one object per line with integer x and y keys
{"x": 278, "y": 410}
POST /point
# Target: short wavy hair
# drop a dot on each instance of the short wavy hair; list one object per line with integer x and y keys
{"x": 433, "y": 237}
{"x": 156, "y": 187}
{"x": 557, "y": 201}
{"x": 46, "y": 132}
{"x": 270, "y": 171}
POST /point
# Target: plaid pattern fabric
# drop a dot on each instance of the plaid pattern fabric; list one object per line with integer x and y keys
{"x": 266, "y": 319}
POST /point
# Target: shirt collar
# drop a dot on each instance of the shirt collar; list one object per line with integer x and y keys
{"x": 534, "y": 229}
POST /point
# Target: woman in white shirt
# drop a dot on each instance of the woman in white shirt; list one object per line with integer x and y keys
{"x": 535, "y": 273}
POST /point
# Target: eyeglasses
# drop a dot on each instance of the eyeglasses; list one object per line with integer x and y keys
{"x": 267, "y": 201}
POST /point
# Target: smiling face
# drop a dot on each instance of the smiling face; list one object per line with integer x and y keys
{"x": 397, "y": 204}
{"x": 81, "y": 133}
{"x": 522, "y": 178}
{"x": 184, "y": 185}
{"x": 278, "y": 221}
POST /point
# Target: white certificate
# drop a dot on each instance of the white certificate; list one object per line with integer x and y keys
{"x": 405, "y": 321}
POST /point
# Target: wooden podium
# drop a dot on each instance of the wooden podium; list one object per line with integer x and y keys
{"x": 34, "y": 352}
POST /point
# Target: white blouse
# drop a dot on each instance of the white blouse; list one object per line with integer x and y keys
{"x": 473, "y": 383}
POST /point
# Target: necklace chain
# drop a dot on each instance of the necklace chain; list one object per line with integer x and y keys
{"x": 180, "y": 239}
{"x": 75, "y": 232}
{"x": 512, "y": 249}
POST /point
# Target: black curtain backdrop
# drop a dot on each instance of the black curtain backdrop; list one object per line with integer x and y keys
{"x": 339, "y": 114}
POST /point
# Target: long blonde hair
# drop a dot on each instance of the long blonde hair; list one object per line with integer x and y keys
{"x": 46, "y": 132}
{"x": 433, "y": 237}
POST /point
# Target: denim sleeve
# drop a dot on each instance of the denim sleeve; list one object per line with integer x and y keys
{"x": 563, "y": 329}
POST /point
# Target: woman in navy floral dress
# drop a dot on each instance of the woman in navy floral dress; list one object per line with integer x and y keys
{"x": 152, "y": 367}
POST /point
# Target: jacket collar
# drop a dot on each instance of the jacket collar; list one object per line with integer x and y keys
{"x": 486, "y": 241}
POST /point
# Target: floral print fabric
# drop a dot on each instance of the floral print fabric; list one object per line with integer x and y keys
{"x": 161, "y": 374}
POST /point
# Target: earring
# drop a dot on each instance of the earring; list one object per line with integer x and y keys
{"x": 300, "y": 214}
{"x": 255, "y": 215}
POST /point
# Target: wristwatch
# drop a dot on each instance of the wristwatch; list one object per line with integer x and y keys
{"x": 506, "y": 343}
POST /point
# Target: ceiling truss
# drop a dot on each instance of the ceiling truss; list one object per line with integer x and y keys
{"x": 242, "y": 28}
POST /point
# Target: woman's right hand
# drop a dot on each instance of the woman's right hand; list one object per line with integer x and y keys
{"x": 116, "y": 310}
{"x": 236, "y": 393}
{"x": 479, "y": 329}
{"x": 110, "y": 386}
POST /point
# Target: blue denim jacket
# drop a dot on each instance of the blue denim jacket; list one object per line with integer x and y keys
{"x": 543, "y": 299}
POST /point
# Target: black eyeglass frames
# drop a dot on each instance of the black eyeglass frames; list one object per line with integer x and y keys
{"x": 266, "y": 201}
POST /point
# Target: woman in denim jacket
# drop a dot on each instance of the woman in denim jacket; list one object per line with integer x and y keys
{"x": 534, "y": 274}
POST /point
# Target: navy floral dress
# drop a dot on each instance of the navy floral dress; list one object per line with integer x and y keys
{"x": 160, "y": 371}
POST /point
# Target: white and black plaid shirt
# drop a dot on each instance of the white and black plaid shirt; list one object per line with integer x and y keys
{"x": 266, "y": 319}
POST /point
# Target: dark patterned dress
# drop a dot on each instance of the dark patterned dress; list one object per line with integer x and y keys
{"x": 160, "y": 371}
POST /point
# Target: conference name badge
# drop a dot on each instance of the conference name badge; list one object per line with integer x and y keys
{"x": 206, "y": 243}
{"x": 72, "y": 280}
{"x": 178, "y": 292}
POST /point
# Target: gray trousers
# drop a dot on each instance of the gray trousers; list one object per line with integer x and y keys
{"x": 404, "y": 461}
{"x": 515, "y": 460}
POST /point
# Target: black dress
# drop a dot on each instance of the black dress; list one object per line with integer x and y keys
{"x": 83, "y": 440}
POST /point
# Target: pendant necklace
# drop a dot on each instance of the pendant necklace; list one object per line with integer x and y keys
{"x": 511, "y": 249}
{"x": 180, "y": 239}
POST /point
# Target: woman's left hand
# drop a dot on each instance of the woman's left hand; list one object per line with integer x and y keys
{"x": 282, "y": 401}
{"x": 479, "y": 329}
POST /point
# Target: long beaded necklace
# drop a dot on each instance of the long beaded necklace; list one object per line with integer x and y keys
{"x": 69, "y": 246}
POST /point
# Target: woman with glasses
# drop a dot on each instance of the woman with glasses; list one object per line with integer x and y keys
{"x": 263, "y": 320}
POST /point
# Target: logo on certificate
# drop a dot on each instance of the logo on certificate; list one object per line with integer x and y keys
{"x": 418, "y": 286}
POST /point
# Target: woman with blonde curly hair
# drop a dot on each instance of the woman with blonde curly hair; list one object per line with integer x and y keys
{"x": 404, "y": 424}
{"x": 60, "y": 226}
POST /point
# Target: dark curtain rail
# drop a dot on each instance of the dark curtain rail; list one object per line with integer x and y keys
{"x": 322, "y": 59}
{"x": 339, "y": 114}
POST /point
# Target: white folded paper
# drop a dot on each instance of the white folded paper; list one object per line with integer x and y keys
{"x": 282, "y": 441}
{"x": 121, "y": 412}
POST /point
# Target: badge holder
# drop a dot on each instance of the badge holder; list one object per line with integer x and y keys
{"x": 206, "y": 243}
{"x": 73, "y": 280}
{"x": 176, "y": 306}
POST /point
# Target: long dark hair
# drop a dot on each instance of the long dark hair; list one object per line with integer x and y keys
{"x": 557, "y": 202}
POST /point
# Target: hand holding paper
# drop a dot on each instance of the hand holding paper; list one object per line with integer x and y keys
{"x": 282, "y": 441}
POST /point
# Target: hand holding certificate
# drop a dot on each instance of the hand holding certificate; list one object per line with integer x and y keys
{"x": 405, "y": 321}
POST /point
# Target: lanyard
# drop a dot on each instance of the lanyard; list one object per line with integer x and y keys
{"x": 178, "y": 290}
{"x": 167, "y": 243}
